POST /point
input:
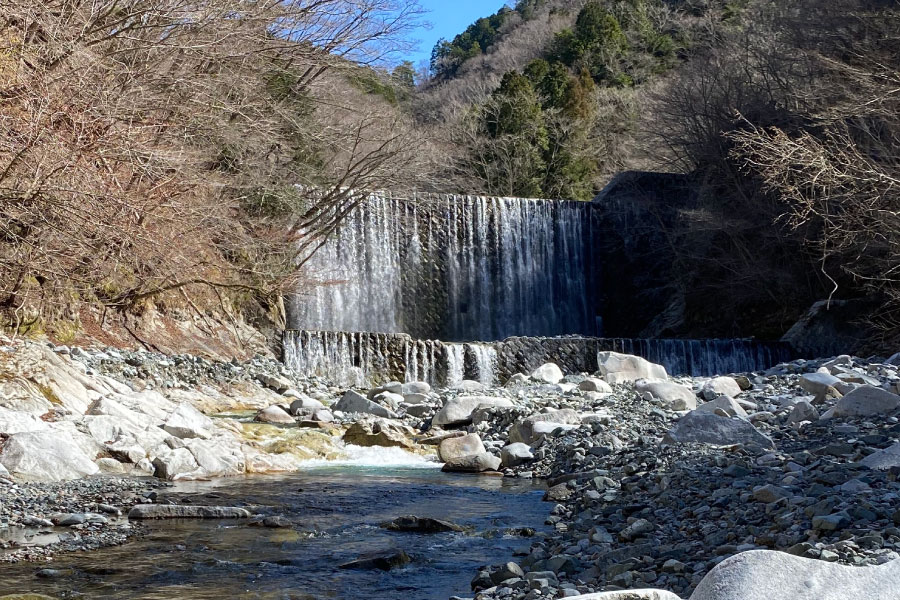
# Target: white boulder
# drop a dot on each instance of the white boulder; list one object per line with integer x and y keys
{"x": 458, "y": 411}
{"x": 674, "y": 395}
{"x": 720, "y": 386}
{"x": 187, "y": 422}
{"x": 45, "y": 456}
{"x": 547, "y": 373}
{"x": 623, "y": 368}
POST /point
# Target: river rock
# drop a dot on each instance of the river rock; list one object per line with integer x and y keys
{"x": 724, "y": 404}
{"x": 547, "y": 373}
{"x": 708, "y": 428}
{"x": 642, "y": 594}
{"x": 377, "y": 432}
{"x": 187, "y": 422}
{"x": 817, "y": 383}
{"x": 523, "y": 430}
{"x": 468, "y": 386}
{"x": 415, "y": 387}
{"x": 415, "y": 524}
{"x": 170, "y": 464}
{"x": 458, "y": 411}
{"x": 394, "y": 387}
{"x": 515, "y": 454}
{"x": 674, "y": 395}
{"x": 384, "y": 561}
{"x": 274, "y": 414}
{"x": 865, "y": 401}
{"x": 456, "y": 447}
{"x": 45, "y": 456}
{"x": 594, "y": 384}
{"x": 354, "y": 402}
{"x": 623, "y": 368}
{"x": 771, "y": 575}
{"x": 803, "y": 411}
{"x": 473, "y": 463}
{"x": 186, "y": 511}
{"x": 883, "y": 460}
{"x": 275, "y": 382}
{"x": 720, "y": 386}
{"x": 304, "y": 402}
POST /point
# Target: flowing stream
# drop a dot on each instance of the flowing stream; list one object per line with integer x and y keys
{"x": 337, "y": 508}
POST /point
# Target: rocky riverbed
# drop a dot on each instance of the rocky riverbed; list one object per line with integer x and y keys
{"x": 654, "y": 481}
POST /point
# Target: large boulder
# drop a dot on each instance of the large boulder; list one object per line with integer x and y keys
{"x": 674, "y": 395}
{"x": 354, "y": 402}
{"x": 458, "y": 411}
{"x": 547, "y": 373}
{"x": 720, "y": 386}
{"x": 698, "y": 427}
{"x": 304, "y": 402}
{"x": 594, "y": 384}
{"x": 818, "y": 383}
{"x": 803, "y": 411}
{"x": 623, "y": 368}
{"x": 378, "y": 432}
{"x": 865, "y": 401}
{"x": 456, "y": 447}
{"x": 883, "y": 460}
{"x": 523, "y": 430}
{"x": 221, "y": 456}
{"x": 771, "y": 575}
{"x": 474, "y": 463}
{"x": 274, "y": 414}
{"x": 187, "y": 422}
{"x": 14, "y": 421}
{"x": 515, "y": 454}
{"x": 177, "y": 463}
{"x": 45, "y": 456}
{"x": 724, "y": 405}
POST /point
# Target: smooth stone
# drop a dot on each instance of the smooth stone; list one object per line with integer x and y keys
{"x": 724, "y": 404}
{"x": 720, "y": 386}
{"x": 865, "y": 401}
{"x": 771, "y": 575}
{"x": 523, "y": 429}
{"x": 354, "y": 402}
{"x": 674, "y": 395}
{"x": 817, "y": 383}
{"x": 377, "y": 432}
{"x": 45, "y": 456}
{"x": 274, "y": 414}
{"x": 457, "y": 447}
{"x": 615, "y": 367}
{"x": 474, "y": 463}
{"x": 515, "y": 454}
{"x": 883, "y": 460}
{"x": 384, "y": 561}
{"x": 187, "y": 422}
{"x": 304, "y": 402}
{"x": 547, "y": 373}
{"x": 458, "y": 411}
{"x": 411, "y": 523}
{"x": 803, "y": 411}
{"x": 594, "y": 384}
{"x": 708, "y": 428}
{"x": 186, "y": 511}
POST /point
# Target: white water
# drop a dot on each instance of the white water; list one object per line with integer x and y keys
{"x": 359, "y": 456}
{"x": 485, "y": 363}
{"x": 454, "y": 268}
{"x": 456, "y": 357}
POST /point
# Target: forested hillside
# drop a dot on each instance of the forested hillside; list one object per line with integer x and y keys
{"x": 785, "y": 113}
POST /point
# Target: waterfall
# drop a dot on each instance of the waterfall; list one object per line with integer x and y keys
{"x": 456, "y": 357}
{"x": 457, "y": 268}
{"x": 485, "y": 363}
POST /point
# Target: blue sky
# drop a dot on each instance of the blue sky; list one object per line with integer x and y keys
{"x": 449, "y": 18}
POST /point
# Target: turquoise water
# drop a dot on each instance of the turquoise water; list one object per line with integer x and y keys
{"x": 336, "y": 510}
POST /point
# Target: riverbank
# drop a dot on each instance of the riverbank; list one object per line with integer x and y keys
{"x": 654, "y": 480}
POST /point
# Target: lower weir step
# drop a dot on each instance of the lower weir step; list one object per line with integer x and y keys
{"x": 363, "y": 358}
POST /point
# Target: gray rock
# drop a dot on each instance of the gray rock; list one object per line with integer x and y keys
{"x": 770, "y": 575}
{"x": 474, "y": 463}
{"x": 515, "y": 454}
{"x": 469, "y": 386}
{"x": 707, "y": 428}
{"x": 523, "y": 430}
{"x": 172, "y": 463}
{"x": 623, "y": 368}
{"x": 723, "y": 404}
{"x": 720, "y": 386}
{"x": 865, "y": 401}
{"x": 547, "y": 373}
{"x": 275, "y": 382}
{"x": 817, "y": 383}
{"x": 636, "y": 529}
{"x": 415, "y": 387}
{"x": 354, "y": 402}
{"x": 274, "y": 414}
{"x": 304, "y": 402}
{"x": 394, "y": 387}
{"x": 803, "y": 411}
{"x": 186, "y": 511}
{"x": 384, "y": 561}
{"x": 457, "y": 447}
{"x": 45, "y": 456}
{"x": 187, "y": 422}
{"x": 415, "y": 524}
{"x": 884, "y": 460}
{"x": 458, "y": 411}
{"x": 674, "y": 395}
{"x": 594, "y": 384}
